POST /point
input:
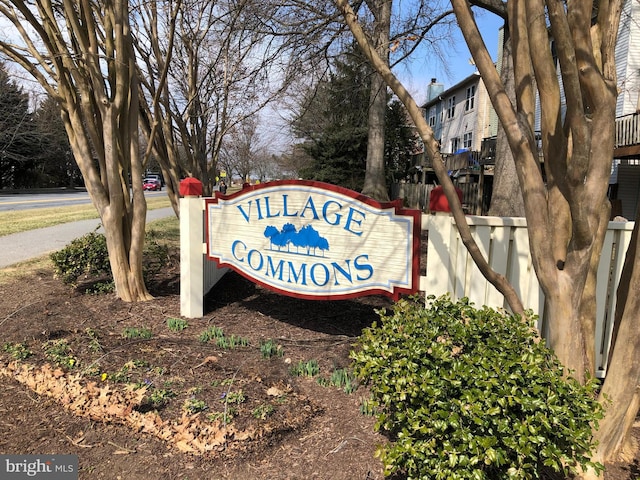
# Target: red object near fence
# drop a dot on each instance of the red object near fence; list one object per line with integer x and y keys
{"x": 438, "y": 201}
{"x": 190, "y": 187}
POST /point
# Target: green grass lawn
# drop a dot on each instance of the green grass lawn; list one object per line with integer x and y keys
{"x": 24, "y": 220}
{"x": 165, "y": 230}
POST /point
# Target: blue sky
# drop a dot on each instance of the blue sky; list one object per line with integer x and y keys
{"x": 419, "y": 73}
{"x": 415, "y": 76}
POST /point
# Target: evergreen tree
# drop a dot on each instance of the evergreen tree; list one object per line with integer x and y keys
{"x": 55, "y": 163}
{"x": 17, "y": 145}
{"x": 333, "y": 124}
{"x": 402, "y": 142}
{"x": 334, "y": 127}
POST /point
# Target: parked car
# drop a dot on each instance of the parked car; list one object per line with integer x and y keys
{"x": 151, "y": 184}
{"x": 157, "y": 176}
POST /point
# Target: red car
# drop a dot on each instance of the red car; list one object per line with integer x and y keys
{"x": 151, "y": 184}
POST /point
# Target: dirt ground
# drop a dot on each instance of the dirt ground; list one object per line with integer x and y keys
{"x": 137, "y": 394}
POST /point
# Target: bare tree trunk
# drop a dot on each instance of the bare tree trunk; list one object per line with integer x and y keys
{"x": 506, "y": 196}
{"x": 622, "y": 383}
{"x": 375, "y": 185}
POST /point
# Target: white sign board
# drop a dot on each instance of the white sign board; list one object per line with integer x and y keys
{"x": 314, "y": 240}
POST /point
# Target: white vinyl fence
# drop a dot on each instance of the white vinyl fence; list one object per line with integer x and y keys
{"x": 450, "y": 269}
{"x": 505, "y": 243}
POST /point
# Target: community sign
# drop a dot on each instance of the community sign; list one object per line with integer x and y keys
{"x": 314, "y": 240}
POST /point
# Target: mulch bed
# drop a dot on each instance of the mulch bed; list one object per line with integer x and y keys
{"x": 134, "y": 399}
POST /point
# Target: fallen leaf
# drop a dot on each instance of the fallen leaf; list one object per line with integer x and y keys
{"x": 274, "y": 392}
{"x": 209, "y": 359}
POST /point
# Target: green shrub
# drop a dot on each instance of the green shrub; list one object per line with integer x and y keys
{"x": 86, "y": 255}
{"x": 156, "y": 257}
{"x": 470, "y": 394}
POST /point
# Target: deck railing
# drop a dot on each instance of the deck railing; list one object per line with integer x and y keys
{"x": 627, "y": 130}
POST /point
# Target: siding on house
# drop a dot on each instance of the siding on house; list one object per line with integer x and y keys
{"x": 455, "y": 118}
{"x": 628, "y": 77}
{"x": 628, "y": 59}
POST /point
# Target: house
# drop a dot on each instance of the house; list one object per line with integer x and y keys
{"x": 624, "y": 185}
{"x": 460, "y": 118}
{"x": 460, "y": 115}
{"x": 463, "y": 121}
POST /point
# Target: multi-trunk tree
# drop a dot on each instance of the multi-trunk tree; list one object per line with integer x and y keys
{"x": 567, "y": 211}
{"x": 81, "y": 54}
{"x": 224, "y": 69}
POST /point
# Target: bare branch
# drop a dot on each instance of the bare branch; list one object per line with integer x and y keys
{"x": 497, "y": 7}
{"x": 438, "y": 165}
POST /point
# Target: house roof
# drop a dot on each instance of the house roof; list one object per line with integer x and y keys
{"x": 473, "y": 78}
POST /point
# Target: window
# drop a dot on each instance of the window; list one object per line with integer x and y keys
{"x": 471, "y": 98}
{"x": 455, "y": 144}
{"x": 432, "y": 117}
{"x": 451, "y": 107}
{"x": 467, "y": 140}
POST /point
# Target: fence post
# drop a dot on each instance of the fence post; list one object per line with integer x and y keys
{"x": 191, "y": 257}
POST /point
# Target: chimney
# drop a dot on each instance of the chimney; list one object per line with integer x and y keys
{"x": 434, "y": 89}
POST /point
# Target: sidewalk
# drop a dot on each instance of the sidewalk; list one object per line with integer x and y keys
{"x": 35, "y": 243}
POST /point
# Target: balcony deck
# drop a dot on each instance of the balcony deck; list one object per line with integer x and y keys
{"x": 627, "y": 141}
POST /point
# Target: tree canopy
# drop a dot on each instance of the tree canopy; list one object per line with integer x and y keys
{"x": 332, "y": 121}
{"x": 18, "y": 147}
{"x": 34, "y": 149}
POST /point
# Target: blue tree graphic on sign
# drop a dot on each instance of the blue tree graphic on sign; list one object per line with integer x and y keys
{"x": 306, "y": 238}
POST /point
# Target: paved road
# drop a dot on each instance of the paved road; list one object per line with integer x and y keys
{"x": 23, "y": 201}
{"x": 35, "y": 243}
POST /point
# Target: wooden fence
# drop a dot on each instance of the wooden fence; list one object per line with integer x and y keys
{"x": 416, "y": 195}
{"x": 449, "y": 269}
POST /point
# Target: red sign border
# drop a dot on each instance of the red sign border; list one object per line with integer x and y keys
{"x": 395, "y": 204}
